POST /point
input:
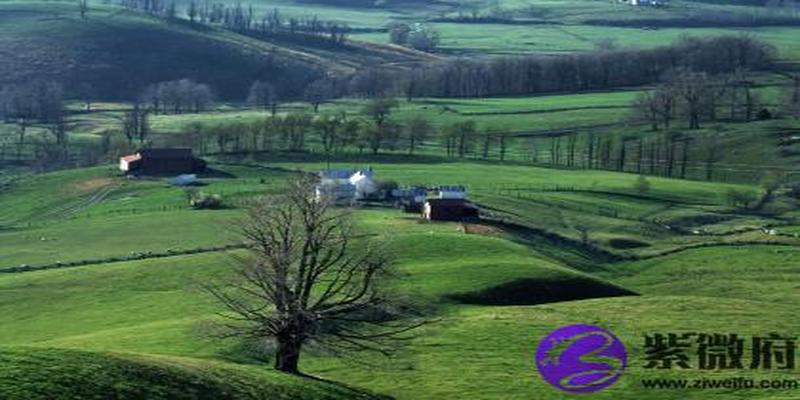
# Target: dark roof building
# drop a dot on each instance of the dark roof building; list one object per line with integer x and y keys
{"x": 449, "y": 210}
{"x": 166, "y": 161}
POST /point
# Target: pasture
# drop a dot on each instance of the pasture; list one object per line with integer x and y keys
{"x": 101, "y": 276}
{"x": 155, "y": 309}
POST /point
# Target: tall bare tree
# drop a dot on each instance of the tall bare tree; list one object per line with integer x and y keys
{"x": 83, "y": 8}
{"x": 504, "y": 137}
{"x": 263, "y": 94}
{"x": 309, "y": 277}
{"x": 417, "y": 130}
{"x": 793, "y": 97}
{"x": 694, "y": 90}
{"x": 379, "y": 109}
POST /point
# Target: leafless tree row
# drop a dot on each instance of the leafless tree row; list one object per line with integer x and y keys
{"x": 567, "y": 73}
{"x": 177, "y": 97}
{"x": 671, "y": 153}
{"x": 40, "y": 102}
{"x": 696, "y": 96}
{"x": 243, "y": 19}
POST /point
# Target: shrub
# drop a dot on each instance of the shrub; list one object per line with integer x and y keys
{"x": 202, "y": 201}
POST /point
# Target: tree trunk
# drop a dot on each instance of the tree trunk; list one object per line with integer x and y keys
{"x": 287, "y": 357}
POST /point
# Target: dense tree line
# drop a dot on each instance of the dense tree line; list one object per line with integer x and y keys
{"x": 786, "y": 14}
{"x": 563, "y": 73}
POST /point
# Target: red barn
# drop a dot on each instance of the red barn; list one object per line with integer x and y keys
{"x": 449, "y": 210}
{"x": 161, "y": 162}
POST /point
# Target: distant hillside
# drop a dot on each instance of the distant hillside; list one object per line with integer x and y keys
{"x": 118, "y": 52}
{"x": 50, "y": 374}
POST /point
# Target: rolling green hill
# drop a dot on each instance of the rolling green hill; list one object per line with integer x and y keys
{"x": 52, "y": 374}
{"x": 118, "y": 52}
{"x": 492, "y": 294}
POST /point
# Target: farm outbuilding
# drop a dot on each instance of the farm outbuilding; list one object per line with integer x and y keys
{"x": 411, "y": 199}
{"x": 168, "y": 161}
{"x": 450, "y": 192}
{"x": 449, "y": 210}
{"x": 338, "y": 193}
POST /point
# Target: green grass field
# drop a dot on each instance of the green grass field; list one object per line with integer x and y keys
{"x": 63, "y": 374}
{"x": 114, "y": 306}
{"x": 154, "y": 310}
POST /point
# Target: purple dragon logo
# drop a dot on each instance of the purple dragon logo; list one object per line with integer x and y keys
{"x": 581, "y": 358}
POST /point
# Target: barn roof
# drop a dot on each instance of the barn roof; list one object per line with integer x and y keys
{"x": 449, "y": 203}
{"x": 343, "y": 173}
{"x": 336, "y": 173}
{"x": 132, "y": 157}
{"x": 166, "y": 153}
{"x": 451, "y": 188}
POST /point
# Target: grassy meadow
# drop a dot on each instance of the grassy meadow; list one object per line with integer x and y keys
{"x": 101, "y": 276}
{"x": 154, "y": 309}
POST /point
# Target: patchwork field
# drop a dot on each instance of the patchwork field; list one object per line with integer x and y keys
{"x": 102, "y": 277}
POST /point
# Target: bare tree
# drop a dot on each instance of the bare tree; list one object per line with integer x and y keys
{"x": 192, "y": 11}
{"x": 504, "y": 136}
{"x": 308, "y": 278}
{"x": 262, "y": 94}
{"x": 377, "y": 136}
{"x": 86, "y": 92}
{"x": 328, "y": 128}
{"x": 712, "y": 151}
{"x": 694, "y": 90}
{"x": 645, "y": 108}
{"x": 83, "y": 8}
{"x": 317, "y": 92}
{"x": 417, "y": 130}
{"x": 379, "y": 109}
{"x": 136, "y": 124}
{"x": 793, "y": 97}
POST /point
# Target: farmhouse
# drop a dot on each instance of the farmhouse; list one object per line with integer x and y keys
{"x": 652, "y": 3}
{"x": 166, "y": 161}
{"x": 449, "y": 210}
{"x": 343, "y": 185}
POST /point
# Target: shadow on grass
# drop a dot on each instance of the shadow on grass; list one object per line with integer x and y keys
{"x": 525, "y": 292}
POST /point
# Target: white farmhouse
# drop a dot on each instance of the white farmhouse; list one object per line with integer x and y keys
{"x": 346, "y": 185}
{"x": 365, "y": 185}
